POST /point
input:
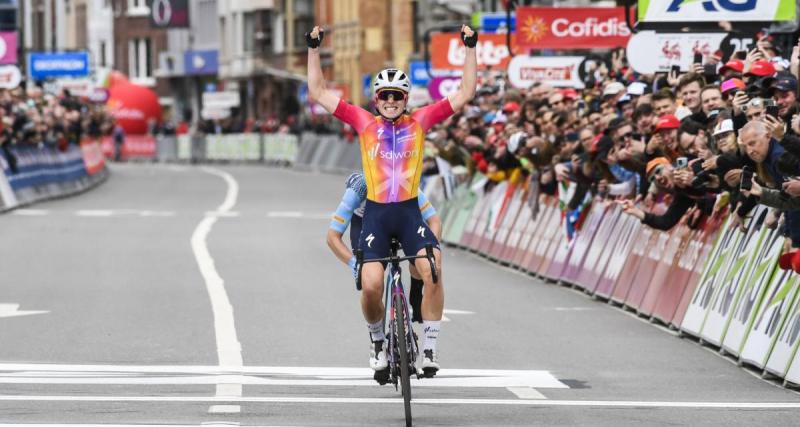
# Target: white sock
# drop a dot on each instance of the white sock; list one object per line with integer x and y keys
{"x": 376, "y": 332}
{"x": 431, "y": 330}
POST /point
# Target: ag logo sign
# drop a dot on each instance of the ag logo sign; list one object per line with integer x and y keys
{"x": 716, "y": 10}
{"x": 710, "y": 6}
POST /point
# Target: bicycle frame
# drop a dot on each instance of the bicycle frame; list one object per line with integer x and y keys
{"x": 393, "y": 288}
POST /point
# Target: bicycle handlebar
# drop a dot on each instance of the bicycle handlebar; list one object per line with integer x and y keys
{"x": 391, "y": 259}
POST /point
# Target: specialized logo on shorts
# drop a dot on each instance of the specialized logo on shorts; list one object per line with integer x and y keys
{"x": 421, "y": 231}
{"x": 369, "y": 240}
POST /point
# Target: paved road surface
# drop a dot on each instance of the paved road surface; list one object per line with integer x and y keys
{"x": 187, "y": 296}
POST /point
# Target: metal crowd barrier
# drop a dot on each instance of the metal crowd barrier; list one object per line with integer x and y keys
{"x": 714, "y": 283}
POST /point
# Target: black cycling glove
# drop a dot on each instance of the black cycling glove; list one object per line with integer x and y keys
{"x": 470, "y": 41}
{"x": 312, "y": 42}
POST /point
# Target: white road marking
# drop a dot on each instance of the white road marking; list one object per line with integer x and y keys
{"x": 261, "y": 375}
{"x": 449, "y": 311}
{"x": 30, "y": 212}
{"x": 218, "y": 214}
{"x": 572, "y": 308}
{"x": 297, "y": 214}
{"x": 147, "y": 213}
{"x": 398, "y": 401}
{"x": 224, "y": 409}
{"x": 95, "y": 213}
{"x": 12, "y": 310}
{"x": 526, "y": 392}
{"x": 229, "y": 350}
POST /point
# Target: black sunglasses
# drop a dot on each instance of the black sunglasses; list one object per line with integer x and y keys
{"x": 396, "y": 94}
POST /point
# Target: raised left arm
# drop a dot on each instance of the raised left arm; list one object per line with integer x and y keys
{"x": 470, "y": 77}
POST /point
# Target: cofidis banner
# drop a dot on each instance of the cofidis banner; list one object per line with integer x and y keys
{"x": 716, "y": 10}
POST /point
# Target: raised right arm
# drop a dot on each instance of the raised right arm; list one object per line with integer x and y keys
{"x": 316, "y": 80}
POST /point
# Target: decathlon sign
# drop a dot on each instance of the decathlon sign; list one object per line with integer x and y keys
{"x": 562, "y": 71}
{"x": 716, "y": 10}
{"x": 571, "y": 27}
{"x": 67, "y": 64}
{"x": 169, "y": 13}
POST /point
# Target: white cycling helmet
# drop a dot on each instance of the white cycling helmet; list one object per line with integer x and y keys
{"x": 392, "y": 78}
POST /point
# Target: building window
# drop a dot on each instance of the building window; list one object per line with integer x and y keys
{"x": 303, "y": 21}
{"x": 138, "y": 8}
{"x": 81, "y": 40}
{"x": 139, "y": 63}
{"x": 248, "y": 31}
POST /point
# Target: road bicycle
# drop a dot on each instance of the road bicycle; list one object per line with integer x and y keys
{"x": 402, "y": 346}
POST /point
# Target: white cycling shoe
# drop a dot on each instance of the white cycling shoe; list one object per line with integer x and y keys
{"x": 378, "y": 359}
{"x": 430, "y": 363}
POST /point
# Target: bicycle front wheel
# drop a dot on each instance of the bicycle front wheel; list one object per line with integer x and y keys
{"x": 405, "y": 379}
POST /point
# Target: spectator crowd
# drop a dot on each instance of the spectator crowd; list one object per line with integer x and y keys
{"x": 38, "y": 119}
{"x": 668, "y": 147}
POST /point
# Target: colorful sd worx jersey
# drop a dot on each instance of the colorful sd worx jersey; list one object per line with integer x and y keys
{"x": 391, "y": 152}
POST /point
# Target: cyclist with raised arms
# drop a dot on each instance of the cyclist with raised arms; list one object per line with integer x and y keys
{"x": 391, "y": 154}
{"x": 350, "y": 212}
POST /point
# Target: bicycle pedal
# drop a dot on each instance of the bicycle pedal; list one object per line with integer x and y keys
{"x": 382, "y": 376}
{"x": 429, "y": 372}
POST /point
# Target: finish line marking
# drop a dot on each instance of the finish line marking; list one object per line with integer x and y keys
{"x": 399, "y": 401}
{"x": 261, "y": 375}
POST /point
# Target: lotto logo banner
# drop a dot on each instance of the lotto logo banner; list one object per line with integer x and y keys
{"x": 93, "y": 157}
{"x": 571, "y": 27}
{"x": 716, "y": 10}
{"x": 449, "y": 53}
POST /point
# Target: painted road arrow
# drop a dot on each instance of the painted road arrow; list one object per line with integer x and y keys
{"x": 12, "y": 310}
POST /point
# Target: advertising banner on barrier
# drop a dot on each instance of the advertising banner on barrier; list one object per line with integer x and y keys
{"x": 716, "y": 268}
{"x": 7, "y": 197}
{"x": 571, "y": 27}
{"x": 752, "y": 288}
{"x": 785, "y": 349}
{"x": 770, "y": 318}
{"x": 650, "y": 52}
{"x": 529, "y": 223}
{"x": 517, "y": 230}
{"x": 663, "y": 275}
{"x": 627, "y": 231}
{"x": 551, "y": 240}
{"x": 493, "y": 216}
{"x": 728, "y": 290}
{"x": 561, "y": 71}
{"x": 477, "y": 216}
{"x": 93, "y": 157}
{"x": 449, "y": 53}
{"x": 600, "y": 251}
{"x": 710, "y": 231}
{"x": 135, "y": 146}
{"x": 669, "y": 296}
{"x": 642, "y": 243}
{"x": 716, "y": 10}
{"x": 500, "y": 242}
{"x": 245, "y": 146}
{"x": 38, "y": 167}
{"x": 583, "y": 241}
{"x": 546, "y": 226}
{"x": 651, "y": 260}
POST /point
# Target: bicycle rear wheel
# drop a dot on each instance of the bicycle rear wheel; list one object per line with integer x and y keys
{"x": 405, "y": 380}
